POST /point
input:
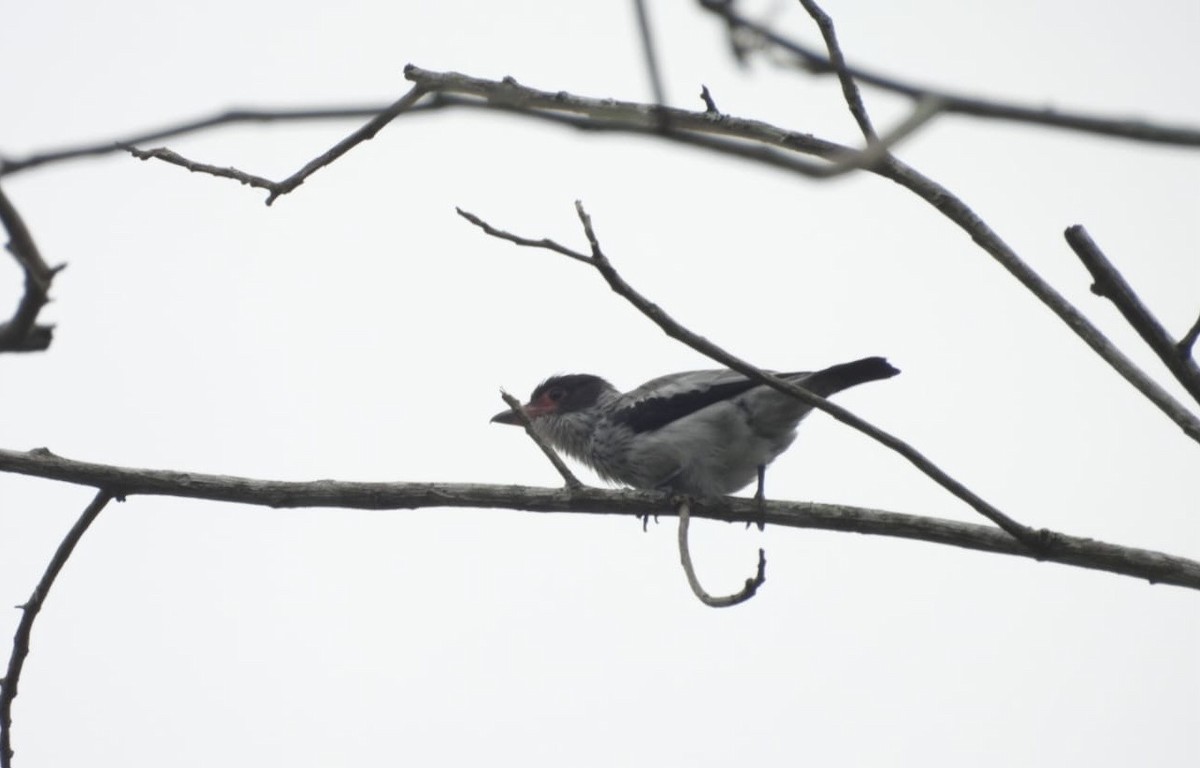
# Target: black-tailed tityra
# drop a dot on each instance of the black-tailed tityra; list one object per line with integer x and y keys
{"x": 701, "y": 433}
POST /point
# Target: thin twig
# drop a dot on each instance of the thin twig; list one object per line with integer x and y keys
{"x": 745, "y": 593}
{"x": 567, "y": 475}
{"x": 23, "y": 333}
{"x": 648, "y": 51}
{"x": 710, "y": 106}
{"x": 819, "y": 63}
{"x": 365, "y": 133}
{"x": 174, "y": 158}
{"x": 1081, "y": 552}
{"x": 1112, "y": 285}
{"x": 29, "y": 612}
{"x": 849, "y": 89}
{"x": 546, "y": 243}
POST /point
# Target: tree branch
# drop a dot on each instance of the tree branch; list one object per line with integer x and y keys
{"x": 1112, "y": 285}
{"x": 819, "y": 63}
{"x": 22, "y": 333}
{"x": 1155, "y": 567}
{"x": 838, "y": 62}
{"x": 685, "y": 557}
{"x": 29, "y": 612}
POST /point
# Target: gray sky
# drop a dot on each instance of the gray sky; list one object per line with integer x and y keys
{"x": 358, "y": 329}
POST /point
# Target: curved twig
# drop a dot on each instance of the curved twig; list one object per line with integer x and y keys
{"x": 685, "y": 557}
{"x": 29, "y": 612}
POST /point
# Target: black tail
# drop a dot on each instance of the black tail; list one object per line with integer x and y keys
{"x": 838, "y": 377}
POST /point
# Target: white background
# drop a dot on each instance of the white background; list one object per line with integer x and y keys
{"x": 358, "y": 329}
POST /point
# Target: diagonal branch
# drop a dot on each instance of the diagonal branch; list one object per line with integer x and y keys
{"x": 23, "y": 333}
{"x": 1112, "y": 285}
{"x": 1155, "y": 567}
{"x": 29, "y": 612}
{"x": 1031, "y": 538}
{"x": 819, "y": 63}
{"x": 685, "y": 557}
{"x": 845, "y": 78}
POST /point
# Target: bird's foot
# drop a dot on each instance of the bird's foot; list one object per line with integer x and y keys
{"x": 760, "y": 496}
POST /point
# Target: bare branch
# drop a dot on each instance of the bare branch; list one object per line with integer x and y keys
{"x": 29, "y": 612}
{"x": 365, "y": 133}
{"x": 685, "y": 557}
{"x": 22, "y": 333}
{"x": 1112, "y": 285}
{"x": 748, "y": 139}
{"x": 676, "y": 331}
{"x": 838, "y": 61}
{"x": 817, "y": 62}
{"x": 567, "y": 476}
{"x": 174, "y": 158}
{"x": 1155, "y": 567}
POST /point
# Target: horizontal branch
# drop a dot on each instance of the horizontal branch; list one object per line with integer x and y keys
{"x": 816, "y": 61}
{"x": 1155, "y": 567}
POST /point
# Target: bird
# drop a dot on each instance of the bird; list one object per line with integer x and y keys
{"x": 696, "y": 433}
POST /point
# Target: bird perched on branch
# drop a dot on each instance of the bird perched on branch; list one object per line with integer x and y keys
{"x": 700, "y": 433}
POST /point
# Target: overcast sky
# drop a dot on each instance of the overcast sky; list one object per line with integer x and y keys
{"x": 358, "y": 329}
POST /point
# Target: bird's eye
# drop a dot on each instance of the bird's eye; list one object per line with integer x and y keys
{"x": 556, "y": 394}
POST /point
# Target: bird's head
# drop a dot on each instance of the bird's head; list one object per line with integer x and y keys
{"x": 560, "y": 395}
